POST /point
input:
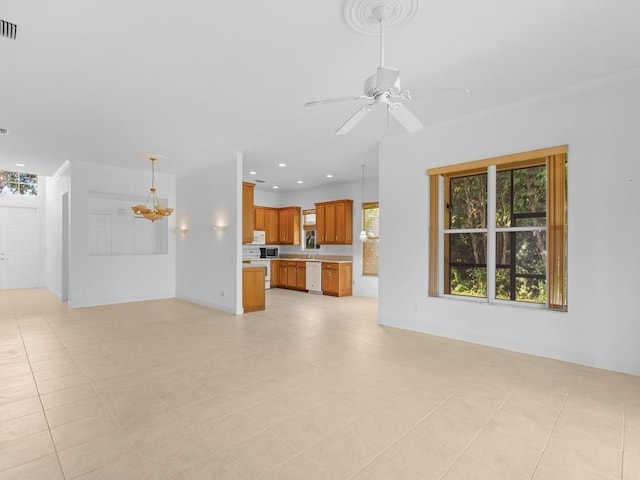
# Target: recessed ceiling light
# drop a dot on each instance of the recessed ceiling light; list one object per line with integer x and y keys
{"x": 329, "y": 175}
{"x": 19, "y": 164}
{"x": 299, "y": 181}
{"x": 282, "y": 164}
{"x": 252, "y": 173}
{"x": 275, "y": 187}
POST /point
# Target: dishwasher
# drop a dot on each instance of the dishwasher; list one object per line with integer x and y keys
{"x": 314, "y": 277}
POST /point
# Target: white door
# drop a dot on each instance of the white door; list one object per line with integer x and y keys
{"x": 19, "y": 259}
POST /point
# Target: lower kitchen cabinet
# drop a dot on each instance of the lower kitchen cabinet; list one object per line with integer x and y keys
{"x": 337, "y": 279}
{"x": 253, "y": 297}
{"x": 301, "y": 275}
{"x": 275, "y": 273}
{"x": 293, "y": 274}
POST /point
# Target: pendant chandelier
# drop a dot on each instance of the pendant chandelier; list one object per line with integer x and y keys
{"x": 152, "y": 209}
{"x": 363, "y": 233}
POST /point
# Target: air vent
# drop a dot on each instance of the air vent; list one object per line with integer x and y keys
{"x": 259, "y": 181}
{"x": 4, "y": 131}
{"x": 8, "y": 29}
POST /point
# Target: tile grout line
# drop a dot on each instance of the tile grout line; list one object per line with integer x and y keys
{"x": 88, "y": 383}
{"x": 44, "y": 413}
{"x": 301, "y": 453}
{"x": 421, "y": 419}
{"x": 544, "y": 448}
{"x": 475, "y": 436}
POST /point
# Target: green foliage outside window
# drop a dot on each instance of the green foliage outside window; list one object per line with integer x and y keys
{"x": 16, "y": 183}
{"x": 521, "y": 257}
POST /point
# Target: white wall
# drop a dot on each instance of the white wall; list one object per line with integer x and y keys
{"x": 208, "y": 262}
{"x": 57, "y": 186}
{"x": 600, "y": 124}
{"x": 265, "y": 199}
{"x": 105, "y": 279}
{"x": 364, "y": 285}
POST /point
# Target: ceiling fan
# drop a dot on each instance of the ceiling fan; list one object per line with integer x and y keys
{"x": 382, "y": 88}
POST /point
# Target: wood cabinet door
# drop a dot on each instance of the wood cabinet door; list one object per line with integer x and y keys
{"x": 330, "y": 278}
{"x": 253, "y": 295}
{"x": 275, "y": 273}
{"x": 283, "y": 274}
{"x": 271, "y": 226}
{"x": 301, "y": 276}
{"x": 247, "y": 212}
{"x": 258, "y": 218}
{"x": 291, "y": 275}
{"x": 284, "y": 226}
{"x": 321, "y": 233}
{"x": 326, "y": 279}
{"x": 330, "y": 223}
{"x": 344, "y": 223}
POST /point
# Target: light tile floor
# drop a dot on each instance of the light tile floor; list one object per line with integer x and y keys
{"x": 309, "y": 389}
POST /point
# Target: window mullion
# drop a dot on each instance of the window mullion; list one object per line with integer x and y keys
{"x": 491, "y": 233}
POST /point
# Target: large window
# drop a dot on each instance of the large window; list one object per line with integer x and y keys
{"x": 16, "y": 183}
{"x": 498, "y": 229}
{"x": 371, "y": 225}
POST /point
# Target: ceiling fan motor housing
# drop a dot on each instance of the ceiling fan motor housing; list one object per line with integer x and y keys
{"x": 384, "y": 80}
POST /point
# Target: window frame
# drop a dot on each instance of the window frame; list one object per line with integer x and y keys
{"x": 19, "y": 183}
{"x": 368, "y": 206}
{"x": 555, "y": 160}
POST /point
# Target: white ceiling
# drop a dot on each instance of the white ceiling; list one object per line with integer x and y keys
{"x": 197, "y": 80}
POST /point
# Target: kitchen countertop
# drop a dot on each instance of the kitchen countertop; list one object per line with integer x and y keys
{"x": 321, "y": 260}
{"x": 317, "y": 256}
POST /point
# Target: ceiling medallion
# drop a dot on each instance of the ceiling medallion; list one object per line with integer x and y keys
{"x": 153, "y": 211}
{"x": 363, "y": 16}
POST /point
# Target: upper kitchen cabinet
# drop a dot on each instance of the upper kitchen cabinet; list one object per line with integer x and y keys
{"x": 258, "y": 218}
{"x": 334, "y": 222}
{"x": 266, "y": 218}
{"x": 247, "y": 212}
{"x": 289, "y": 226}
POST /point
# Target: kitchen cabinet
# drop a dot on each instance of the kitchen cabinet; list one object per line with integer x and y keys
{"x": 292, "y": 274}
{"x": 253, "y": 293}
{"x": 289, "y": 226}
{"x": 271, "y": 226}
{"x": 301, "y": 275}
{"x": 337, "y": 279}
{"x": 266, "y": 219}
{"x": 283, "y": 269}
{"x": 258, "y": 218}
{"x": 275, "y": 273}
{"x": 247, "y": 212}
{"x": 334, "y": 222}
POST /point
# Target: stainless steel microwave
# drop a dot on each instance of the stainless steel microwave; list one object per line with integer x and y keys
{"x": 268, "y": 252}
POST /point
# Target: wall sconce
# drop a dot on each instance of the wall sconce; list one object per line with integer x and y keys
{"x": 219, "y": 228}
{"x": 183, "y": 230}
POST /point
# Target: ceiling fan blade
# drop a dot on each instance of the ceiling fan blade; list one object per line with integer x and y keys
{"x": 336, "y": 100}
{"x": 407, "y": 119}
{"x": 354, "y": 119}
{"x": 386, "y": 78}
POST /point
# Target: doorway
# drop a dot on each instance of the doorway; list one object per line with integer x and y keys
{"x": 19, "y": 253}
